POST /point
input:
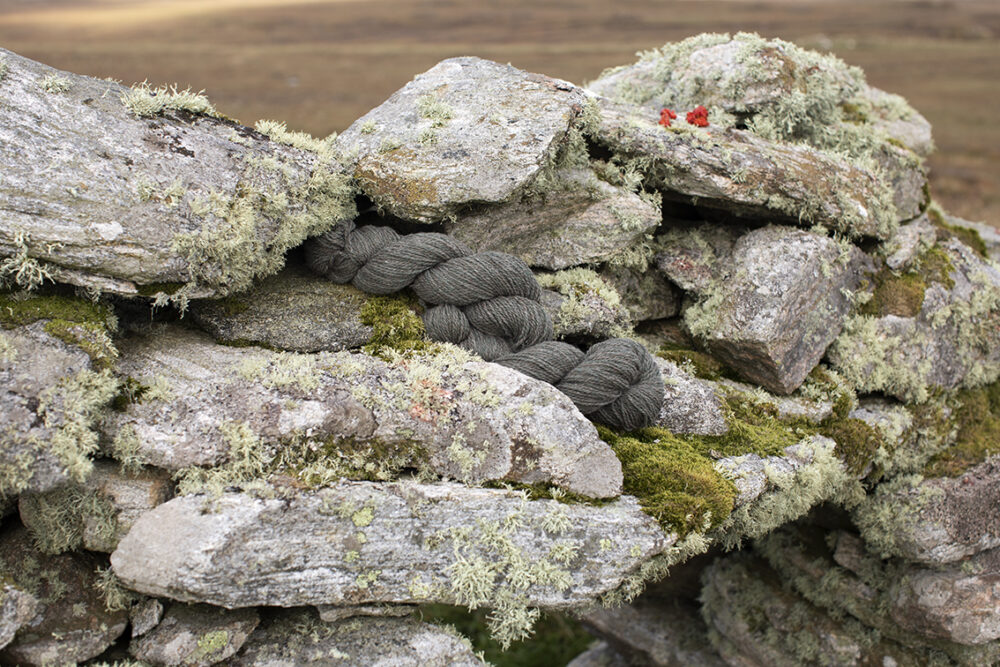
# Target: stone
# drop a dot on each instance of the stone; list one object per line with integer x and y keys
{"x": 144, "y": 616}
{"x": 329, "y": 613}
{"x": 458, "y": 417}
{"x": 600, "y": 654}
{"x": 580, "y": 220}
{"x": 753, "y": 475}
{"x": 467, "y": 131}
{"x": 294, "y": 310}
{"x": 50, "y": 396}
{"x": 359, "y": 543}
{"x": 690, "y": 405}
{"x": 136, "y": 204}
{"x": 937, "y": 520}
{"x": 782, "y": 301}
{"x": 695, "y": 257}
{"x": 583, "y": 305}
{"x": 195, "y": 635}
{"x": 660, "y": 633}
{"x": 647, "y": 295}
{"x": 16, "y": 609}
{"x": 300, "y": 639}
{"x": 952, "y": 342}
{"x": 72, "y": 622}
{"x": 786, "y": 407}
{"x": 909, "y": 241}
{"x": 988, "y": 234}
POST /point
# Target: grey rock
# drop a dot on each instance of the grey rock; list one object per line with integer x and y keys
{"x": 690, "y": 405}
{"x": 909, "y": 241}
{"x": 462, "y": 418}
{"x": 583, "y": 305}
{"x": 787, "y": 407}
{"x": 144, "y": 616}
{"x": 647, "y": 295}
{"x": 49, "y": 398}
{"x": 128, "y": 201}
{"x": 600, "y": 654}
{"x": 659, "y": 633}
{"x": 329, "y": 613}
{"x": 695, "y": 257}
{"x": 72, "y": 624}
{"x": 989, "y": 234}
{"x": 16, "y": 609}
{"x": 954, "y": 340}
{"x": 300, "y": 639}
{"x": 401, "y": 543}
{"x": 467, "y": 131}
{"x": 740, "y": 173}
{"x": 753, "y": 474}
{"x": 293, "y": 310}
{"x": 579, "y": 220}
{"x": 196, "y": 635}
{"x": 902, "y": 123}
{"x": 937, "y": 520}
{"x": 780, "y": 304}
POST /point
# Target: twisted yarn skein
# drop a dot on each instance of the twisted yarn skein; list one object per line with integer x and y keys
{"x": 487, "y": 303}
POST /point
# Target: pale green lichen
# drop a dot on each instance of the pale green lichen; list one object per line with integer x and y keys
{"x": 434, "y": 110}
{"x": 281, "y": 370}
{"x": 116, "y": 596}
{"x": 368, "y": 127}
{"x": 143, "y": 100}
{"x": 57, "y": 519}
{"x": 279, "y": 132}
{"x": 3, "y": 68}
{"x": 19, "y": 268}
{"x": 892, "y": 512}
{"x": 8, "y": 352}
{"x": 53, "y": 83}
{"x": 210, "y": 646}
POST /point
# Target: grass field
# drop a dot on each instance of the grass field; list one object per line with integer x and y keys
{"x": 319, "y": 64}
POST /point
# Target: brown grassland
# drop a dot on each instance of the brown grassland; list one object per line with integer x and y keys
{"x": 320, "y": 64}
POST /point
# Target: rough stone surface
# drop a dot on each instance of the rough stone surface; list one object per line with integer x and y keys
{"x": 646, "y": 295}
{"x": 329, "y": 613}
{"x": 936, "y": 520}
{"x": 119, "y": 190}
{"x": 581, "y": 220}
{"x": 467, "y": 131}
{"x": 954, "y": 340}
{"x": 293, "y": 310}
{"x": 739, "y": 172}
{"x": 467, "y": 415}
{"x": 42, "y": 432}
{"x": 695, "y": 257}
{"x": 909, "y": 241}
{"x": 657, "y": 633}
{"x": 988, "y": 233}
{"x": 584, "y": 315}
{"x": 73, "y": 623}
{"x": 145, "y": 615}
{"x": 301, "y": 640}
{"x": 690, "y": 404}
{"x": 779, "y": 305}
{"x": 195, "y": 635}
{"x": 753, "y": 474}
{"x": 401, "y": 543}
{"x": 16, "y": 609}
{"x": 600, "y": 654}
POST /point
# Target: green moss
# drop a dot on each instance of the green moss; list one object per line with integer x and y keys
{"x": 396, "y": 328}
{"x": 977, "y": 423}
{"x": 701, "y": 364}
{"x": 969, "y": 237}
{"x": 90, "y": 337}
{"x": 936, "y": 266}
{"x": 17, "y": 310}
{"x": 901, "y": 295}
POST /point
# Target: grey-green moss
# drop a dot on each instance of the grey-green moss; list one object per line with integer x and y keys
{"x": 74, "y": 321}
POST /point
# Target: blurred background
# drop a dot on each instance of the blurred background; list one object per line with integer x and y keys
{"x": 320, "y": 64}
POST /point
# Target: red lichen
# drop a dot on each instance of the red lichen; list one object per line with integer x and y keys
{"x": 698, "y": 116}
{"x": 666, "y": 115}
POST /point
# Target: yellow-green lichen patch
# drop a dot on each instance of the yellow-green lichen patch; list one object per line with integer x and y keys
{"x": 699, "y": 364}
{"x": 210, "y": 645}
{"x": 90, "y": 337}
{"x": 396, "y": 328}
{"x": 3, "y": 68}
{"x": 53, "y": 83}
{"x": 20, "y": 309}
{"x": 900, "y": 295}
{"x": 977, "y": 422}
{"x": 143, "y": 100}
{"x": 585, "y": 292}
{"x": 279, "y": 132}
{"x": 434, "y": 110}
{"x": 20, "y": 269}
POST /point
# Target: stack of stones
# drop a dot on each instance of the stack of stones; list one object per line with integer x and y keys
{"x": 211, "y": 455}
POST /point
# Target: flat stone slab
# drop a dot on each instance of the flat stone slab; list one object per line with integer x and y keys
{"x": 690, "y": 405}
{"x": 780, "y": 303}
{"x": 581, "y": 220}
{"x": 401, "y": 543}
{"x": 195, "y": 636}
{"x": 467, "y": 131}
{"x": 459, "y": 417}
{"x": 294, "y": 310}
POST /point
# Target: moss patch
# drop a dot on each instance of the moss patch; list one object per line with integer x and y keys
{"x": 900, "y": 295}
{"x": 701, "y": 364}
{"x": 396, "y": 327}
{"x": 977, "y": 420}
{"x": 18, "y": 310}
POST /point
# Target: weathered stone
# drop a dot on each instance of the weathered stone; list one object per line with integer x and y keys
{"x": 695, "y": 257}
{"x": 579, "y": 220}
{"x": 989, "y": 234}
{"x": 299, "y": 639}
{"x": 294, "y": 310}
{"x": 16, "y": 609}
{"x": 786, "y": 407}
{"x": 781, "y": 302}
{"x": 909, "y": 241}
{"x": 583, "y": 305}
{"x": 467, "y": 131}
{"x": 196, "y": 635}
{"x": 953, "y": 341}
{"x": 462, "y": 418}
{"x": 648, "y": 296}
{"x": 402, "y": 543}
{"x": 49, "y": 398}
{"x": 658, "y": 633}
{"x": 128, "y": 204}
{"x": 753, "y": 474}
{"x": 600, "y": 654}
{"x": 690, "y": 404}
{"x": 748, "y": 176}
{"x": 935, "y": 520}
{"x": 329, "y": 613}
{"x": 73, "y": 623}
{"x": 144, "y": 616}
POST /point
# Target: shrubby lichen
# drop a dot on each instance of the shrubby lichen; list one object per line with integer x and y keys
{"x": 143, "y": 100}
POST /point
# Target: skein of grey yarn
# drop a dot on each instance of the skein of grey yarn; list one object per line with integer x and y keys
{"x": 488, "y": 303}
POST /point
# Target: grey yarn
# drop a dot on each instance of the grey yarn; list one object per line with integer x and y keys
{"x": 487, "y": 302}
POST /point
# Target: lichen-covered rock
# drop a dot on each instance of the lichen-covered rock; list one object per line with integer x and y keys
{"x": 50, "y": 396}
{"x": 667, "y": 633}
{"x": 600, "y": 654}
{"x": 325, "y": 416}
{"x": 145, "y": 615}
{"x": 16, "y": 609}
{"x": 330, "y": 613}
{"x": 936, "y": 520}
{"x": 690, "y": 404}
{"x": 910, "y": 241}
{"x": 300, "y": 639}
{"x": 293, "y": 310}
{"x": 467, "y": 131}
{"x": 696, "y": 257}
{"x": 195, "y": 635}
{"x": 782, "y": 300}
{"x": 73, "y": 622}
{"x": 146, "y": 189}
{"x": 949, "y": 338}
{"x": 753, "y": 474}
{"x": 402, "y": 543}
{"x": 647, "y": 295}
{"x": 583, "y": 305}
{"x": 579, "y": 219}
